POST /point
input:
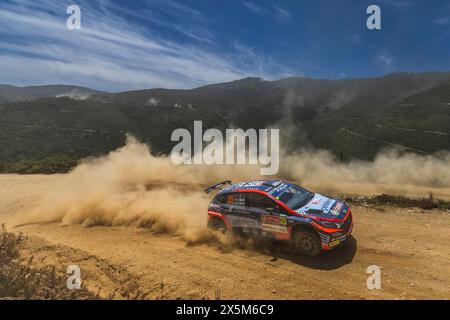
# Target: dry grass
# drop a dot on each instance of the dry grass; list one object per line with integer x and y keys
{"x": 21, "y": 279}
{"x": 426, "y": 203}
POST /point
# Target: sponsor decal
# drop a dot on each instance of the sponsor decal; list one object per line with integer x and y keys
{"x": 214, "y": 206}
{"x": 276, "y": 183}
{"x": 283, "y": 220}
{"x": 274, "y": 228}
{"x": 248, "y": 184}
{"x": 319, "y": 202}
{"x": 326, "y": 206}
{"x": 334, "y": 212}
{"x": 270, "y": 219}
{"x": 274, "y": 220}
{"x": 302, "y": 211}
{"x": 243, "y": 222}
{"x": 338, "y": 206}
{"x": 279, "y": 190}
{"x": 334, "y": 243}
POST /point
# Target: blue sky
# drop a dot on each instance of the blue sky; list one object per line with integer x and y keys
{"x": 125, "y": 45}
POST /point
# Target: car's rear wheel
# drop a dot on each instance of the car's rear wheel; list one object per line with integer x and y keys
{"x": 307, "y": 243}
{"x": 217, "y": 224}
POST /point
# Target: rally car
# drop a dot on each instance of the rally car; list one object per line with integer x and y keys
{"x": 283, "y": 211}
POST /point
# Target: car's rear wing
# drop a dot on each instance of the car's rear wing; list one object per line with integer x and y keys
{"x": 217, "y": 186}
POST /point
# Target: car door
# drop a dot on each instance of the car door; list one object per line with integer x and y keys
{"x": 273, "y": 218}
{"x": 238, "y": 213}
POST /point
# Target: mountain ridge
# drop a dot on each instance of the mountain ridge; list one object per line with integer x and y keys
{"x": 352, "y": 118}
{"x": 11, "y": 93}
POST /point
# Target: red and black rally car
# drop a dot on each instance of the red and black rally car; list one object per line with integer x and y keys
{"x": 283, "y": 211}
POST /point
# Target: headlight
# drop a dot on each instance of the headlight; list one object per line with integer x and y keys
{"x": 332, "y": 225}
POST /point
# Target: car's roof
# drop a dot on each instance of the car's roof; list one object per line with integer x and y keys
{"x": 260, "y": 185}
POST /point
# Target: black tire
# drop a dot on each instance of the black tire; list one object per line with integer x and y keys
{"x": 217, "y": 224}
{"x": 307, "y": 243}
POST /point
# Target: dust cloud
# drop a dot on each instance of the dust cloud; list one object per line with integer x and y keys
{"x": 391, "y": 172}
{"x": 129, "y": 186}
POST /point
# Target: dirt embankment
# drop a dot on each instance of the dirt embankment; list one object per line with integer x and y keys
{"x": 410, "y": 246}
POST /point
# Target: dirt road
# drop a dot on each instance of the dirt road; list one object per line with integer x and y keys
{"x": 411, "y": 247}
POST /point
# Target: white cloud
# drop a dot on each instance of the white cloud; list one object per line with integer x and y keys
{"x": 442, "y": 21}
{"x": 254, "y": 7}
{"x": 386, "y": 60}
{"x": 399, "y": 3}
{"x": 282, "y": 12}
{"x": 274, "y": 11}
{"x": 258, "y": 63}
{"x": 112, "y": 53}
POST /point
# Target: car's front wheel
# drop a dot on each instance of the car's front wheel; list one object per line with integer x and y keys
{"x": 307, "y": 243}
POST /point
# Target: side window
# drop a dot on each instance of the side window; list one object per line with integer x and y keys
{"x": 260, "y": 201}
{"x": 232, "y": 198}
{"x": 222, "y": 198}
{"x": 239, "y": 199}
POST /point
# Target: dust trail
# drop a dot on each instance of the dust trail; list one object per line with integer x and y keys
{"x": 391, "y": 172}
{"x": 131, "y": 187}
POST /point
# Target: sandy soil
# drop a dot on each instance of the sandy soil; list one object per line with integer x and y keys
{"x": 410, "y": 246}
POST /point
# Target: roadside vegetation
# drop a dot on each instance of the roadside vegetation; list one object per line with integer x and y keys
{"x": 425, "y": 203}
{"x": 49, "y": 165}
{"x": 21, "y": 279}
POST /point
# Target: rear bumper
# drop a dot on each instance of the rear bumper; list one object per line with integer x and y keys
{"x": 213, "y": 214}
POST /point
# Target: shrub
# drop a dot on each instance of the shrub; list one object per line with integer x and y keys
{"x": 20, "y": 279}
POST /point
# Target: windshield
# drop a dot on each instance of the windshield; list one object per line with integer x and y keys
{"x": 295, "y": 197}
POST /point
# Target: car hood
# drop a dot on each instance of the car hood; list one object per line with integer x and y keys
{"x": 325, "y": 207}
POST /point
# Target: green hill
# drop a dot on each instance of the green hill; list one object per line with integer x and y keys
{"x": 10, "y": 93}
{"x": 353, "y": 118}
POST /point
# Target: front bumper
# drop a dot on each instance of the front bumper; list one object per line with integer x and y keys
{"x": 333, "y": 240}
